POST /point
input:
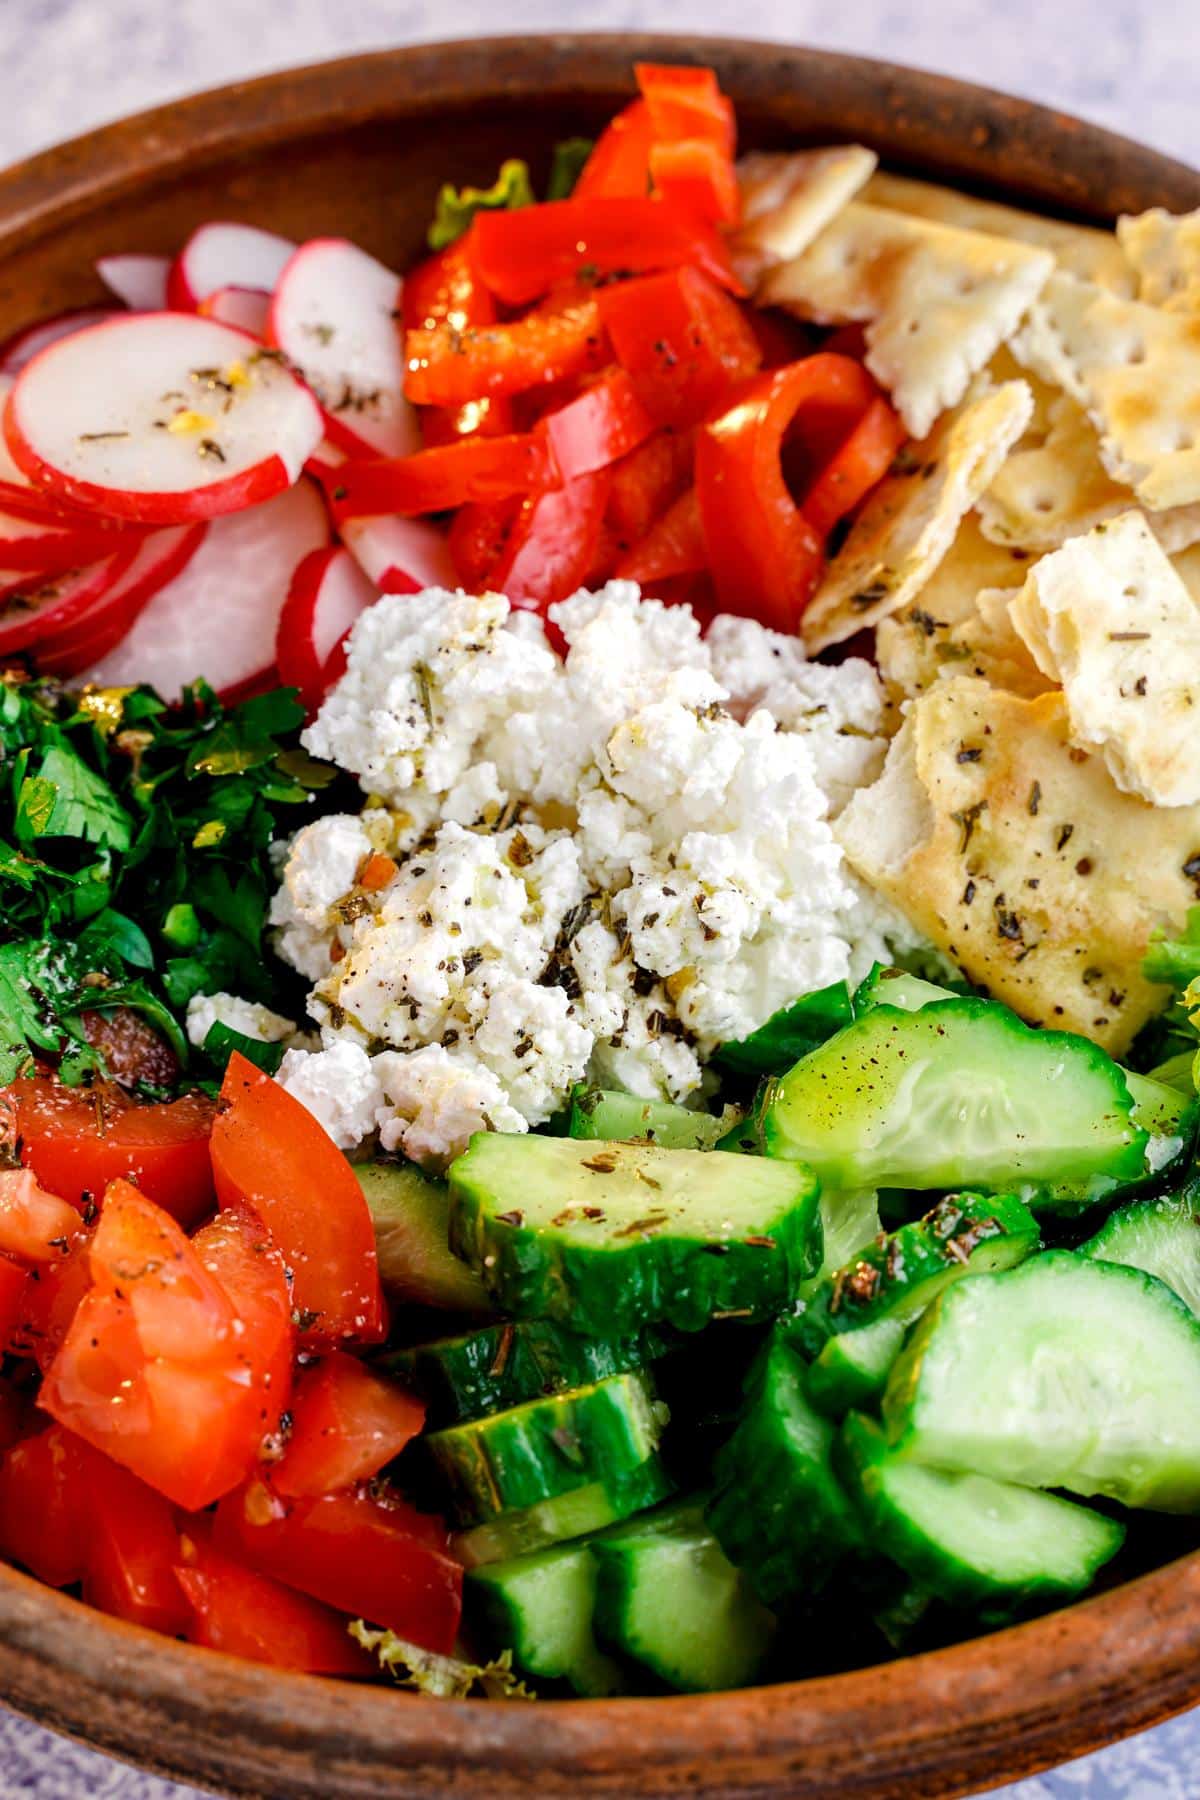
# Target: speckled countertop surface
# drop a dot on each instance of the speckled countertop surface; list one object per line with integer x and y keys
{"x": 66, "y": 65}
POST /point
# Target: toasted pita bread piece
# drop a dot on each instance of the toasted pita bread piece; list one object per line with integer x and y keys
{"x": 1164, "y": 250}
{"x": 915, "y": 645}
{"x": 937, "y": 302}
{"x": 1079, "y": 249}
{"x": 788, "y": 198}
{"x": 1136, "y": 369}
{"x": 1109, "y": 618}
{"x": 1017, "y": 856}
{"x": 909, "y": 522}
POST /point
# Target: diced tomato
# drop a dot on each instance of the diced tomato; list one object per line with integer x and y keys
{"x": 685, "y": 345}
{"x": 14, "y": 1285}
{"x": 674, "y": 545}
{"x": 270, "y": 1153}
{"x": 14, "y": 1415}
{"x": 619, "y": 165}
{"x": 347, "y": 1424}
{"x": 131, "y": 1048}
{"x": 41, "y": 1525}
{"x": 35, "y": 1227}
{"x": 235, "y": 1609}
{"x": 522, "y": 254}
{"x": 477, "y": 538}
{"x": 446, "y": 367}
{"x": 552, "y": 544}
{"x": 647, "y": 481}
{"x": 471, "y": 469}
{"x": 132, "y": 1547}
{"x": 48, "y": 1303}
{"x": 236, "y": 1250}
{"x": 862, "y": 460}
{"x": 604, "y": 423}
{"x": 372, "y": 1557}
{"x": 77, "y": 1140}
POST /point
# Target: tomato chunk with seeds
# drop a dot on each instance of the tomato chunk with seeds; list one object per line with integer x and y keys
{"x": 35, "y": 1226}
{"x": 347, "y": 1424}
{"x": 132, "y": 1547}
{"x": 238, "y": 1610}
{"x": 41, "y": 1524}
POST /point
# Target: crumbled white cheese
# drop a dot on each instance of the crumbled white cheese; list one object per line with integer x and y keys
{"x": 246, "y": 1016}
{"x": 435, "y": 1102}
{"x": 340, "y": 1086}
{"x": 323, "y": 860}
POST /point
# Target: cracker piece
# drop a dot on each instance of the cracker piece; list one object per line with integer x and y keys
{"x": 915, "y": 645}
{"x": 1079, "y": 249}
{"x": 909, "y": 522}
{"x": 937, "y": 302}
{"x": 1025, "y": 864}
{"x": 1164, "y": 251}
{"x": 788, "y": 198}
{"x": 1109, "y": 618}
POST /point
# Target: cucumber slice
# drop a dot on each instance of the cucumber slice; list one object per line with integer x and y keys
{"x": 778, "y": 1511}
{"x": 1065, "y": 1373}
{"x": 1178, "y": 1071}
{"x": 972, "y": 1541}
{"x": 788, "y": 1034}
{"x": 504, "y": 1364}
{"x": 668, "y": 1596}
{"x": 541, "y": 1607}
{"x": 517, "y": 1459}
{"x": 1162, "y": 1237}
{"x": 896, "y": 987}
{"x": 411, "y": 1215}
{"x": 610, "y": 1237}
{"x": 1168, "y": 1116}
{"x": 898, "y": 1275}
{"x": 959, "y": 1093}
{"x": 853, "y": 1367}
{"x": 620, "y": 1118}
{"x": 573, "y": 1515}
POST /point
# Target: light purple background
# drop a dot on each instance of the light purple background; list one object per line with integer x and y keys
{"x": 66, "y": 65}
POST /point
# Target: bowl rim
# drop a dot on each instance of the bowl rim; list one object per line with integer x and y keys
{"x": 1092, "y": 1672}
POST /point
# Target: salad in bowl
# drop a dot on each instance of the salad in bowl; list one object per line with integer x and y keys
{"x": 599, "y": 855}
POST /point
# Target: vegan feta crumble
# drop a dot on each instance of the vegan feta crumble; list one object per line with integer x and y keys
{"x": 605, "y": 864}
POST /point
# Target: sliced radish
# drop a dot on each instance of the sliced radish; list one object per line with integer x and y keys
{"x": 161, "y": 417}
{"x": 328, "y": 593}
{"x": 140, "y": 281}
{"x": 335, "y": 316}
{"x": 99, "y": 628}
{"x": 32, "y": 611}
{"x": 247, "y": 308}
{"x": 48, "y": 546}
{"x": 224, "y": 254}
{"x": 25, "y": 345}
{"x": 401, "y": 556}
{"x": 220, "y": 618}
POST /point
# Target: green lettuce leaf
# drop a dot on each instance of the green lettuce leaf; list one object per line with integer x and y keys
{"x": 457, "y": 207}
{"x": 445, "y": 1677}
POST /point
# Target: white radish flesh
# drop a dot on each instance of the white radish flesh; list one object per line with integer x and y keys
{"x": 22, "y": 348}
{"x": 161, "y": 417}
{"x": 86, "y": 637}
{"x": 139, "y": 281}
{"x": 328, "y": 593}
{"x": 401, "y": 556}
{"x": 219, "y": 618}
{"x": 246, "y": 308}
{"x": 225, "y": 254}
{"x": 335, "y": 316}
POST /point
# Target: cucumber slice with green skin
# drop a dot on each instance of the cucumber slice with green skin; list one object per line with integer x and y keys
{"x": 848, "y": 1221}
{"x": 896, "y": 987}
{"x": 540, "y": 1607}
{"x": 504, "y": 1364}
{"x": 788, "y": 1034}
{"x": 668, "y": 1596}
{"x": 853, "y": 1367}
{"x": 972, "y": 1541}
{"x": 607, "y": 1238}
{"x": 517, "y": 1459}
{"x": 587, "y": 1509}
{"x": 1178, "y": 1072}
{"x": 621, "y": 1118}
{"x": 900, "y": 1274}
{"x": 1066, "y": 1373}
{"x": 411, "y": 1215}
{"x": 777, "y": 1510}
{"x": 1161, "y": 1237}
{"x": 959, "y": 1093}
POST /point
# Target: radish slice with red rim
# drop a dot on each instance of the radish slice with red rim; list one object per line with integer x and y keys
{"x": 328, "y": 593}
{"x": 219, "y": 618}
{"x": 335, "y": 316}
{"x": 224, "y": 254}
{"x": 248, "y": 309}
{"x": 89, "y": 635}
{"x": 161, "y": 417}
{"x": 139, "y": 281}
{"x": 401, "y": 556}
{"x": 21, "y": 349}
{"x": 47, "y": 546}
{"x": 34, "y": 610}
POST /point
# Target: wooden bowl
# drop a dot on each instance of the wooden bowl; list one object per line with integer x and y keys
{"x": 359, "y": 148}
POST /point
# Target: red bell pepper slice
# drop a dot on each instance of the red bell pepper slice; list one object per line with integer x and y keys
{"x": 347, "y": 1424}
{"x": 446, "y": 290}
{"x": 366, "y": 1554}
{"x": 472, "y": 468}
{"x": 552, "y": 544}
{"x": 685, "y": 102}
{"x": 523, "y": 254}
{"x": 132, "y": 1546}
{"x": 235, "y": 1609}
{"x": 269, "y": 1152}
{"x": 863, "y": 459}
{"x": 35, "y": 1227}
{"x": 764, "y": 554}
{"x": 685, "y": 345}
{"x": 596, "y": 429}
{"x": 698, "y": 177}
{"x": 674, "y": 545}
{"x": 41, "y": 1525}
{"x": 619, "y": 165}
{"x": 645, "y": 483}
{"x": 449, "y": 367}
{"x": 477, "y": 537}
